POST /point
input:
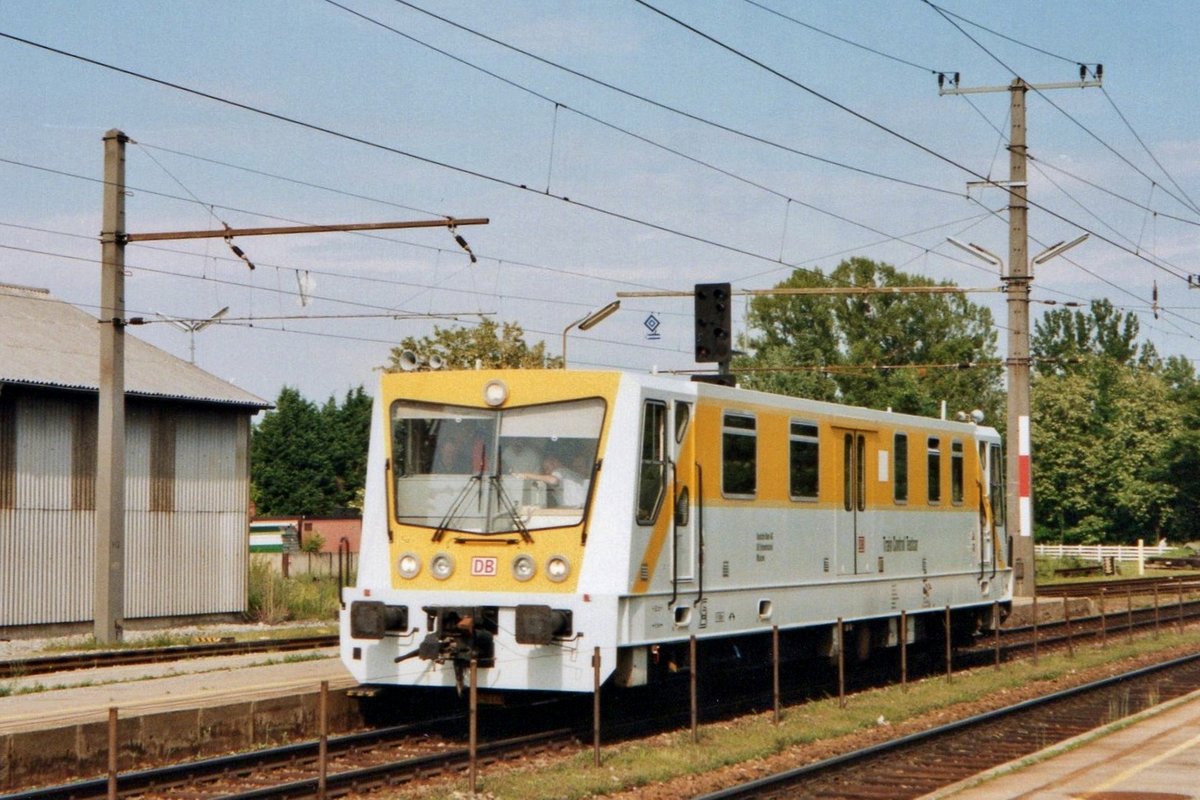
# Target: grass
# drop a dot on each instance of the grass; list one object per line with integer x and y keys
{"x": 273, "y": 598}
{"x": 627, "y": 766}
{"x": 1124, "y": 569}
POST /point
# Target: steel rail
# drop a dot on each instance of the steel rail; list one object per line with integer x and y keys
{"x": 766, "y": 785}
{"x": 42, "y": 665}
{"x": 1190, "y": 583}
{"x": 139, "y": 781}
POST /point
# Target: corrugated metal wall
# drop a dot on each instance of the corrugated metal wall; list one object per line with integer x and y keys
{"x": 190, "y": 560}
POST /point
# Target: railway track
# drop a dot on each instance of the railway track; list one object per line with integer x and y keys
{"x": 354, "y": 762}
{"x": 1118, "y": 620}
{"x": 924, "y": 762}
{"x": 42, "y": 665}
{"x": 397, "y": 755}
{"x": 1120, "y": 586}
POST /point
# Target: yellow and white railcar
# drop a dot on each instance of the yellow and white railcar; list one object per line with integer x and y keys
{"x": 523, "y": 519}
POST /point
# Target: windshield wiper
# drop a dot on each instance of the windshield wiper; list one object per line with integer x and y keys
{"x": 452, "y": 513}
{"x": 511, "y": 508}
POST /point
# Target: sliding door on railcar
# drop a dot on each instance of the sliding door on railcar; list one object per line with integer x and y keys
{"x": 857, "y": 520}
{"x": 685, "y": 488}
{"x": 992, "y": 512}
{"x": 669, "y": 482}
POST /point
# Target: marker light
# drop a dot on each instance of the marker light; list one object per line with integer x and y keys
{"x": 409, "y": 565}
{"x": 524, "y": 567}
{"x": 442, "y": 566}
{"x": 495, "y": 393}
{"x": 558, "y": 568}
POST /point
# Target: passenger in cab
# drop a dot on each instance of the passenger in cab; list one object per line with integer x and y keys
{"x": 567, "y": 487}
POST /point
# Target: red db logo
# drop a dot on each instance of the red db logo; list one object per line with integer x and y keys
{"x": 483, "y": 566}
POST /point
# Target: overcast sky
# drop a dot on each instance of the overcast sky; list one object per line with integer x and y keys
{"x": 811, "y": 132}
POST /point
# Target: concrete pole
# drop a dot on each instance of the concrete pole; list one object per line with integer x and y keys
{"x": 1020, "y": 486}
{"x": 109, "y": 597}
{"x": 1019, "y": 506}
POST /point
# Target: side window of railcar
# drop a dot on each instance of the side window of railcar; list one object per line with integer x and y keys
{"x": 956, "y": 472}
{"x": 900, "y": 468}
{"x": 739, "y": 455}
{"x": 934, "y": 461}
{"x": 996, "y": 490}
{"x": 652, "y": 477}
{"x": 683, "y": 413}
{"x": 804, "y": 460}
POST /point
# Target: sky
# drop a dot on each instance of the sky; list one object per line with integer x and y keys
{"x": 613, "y": 146}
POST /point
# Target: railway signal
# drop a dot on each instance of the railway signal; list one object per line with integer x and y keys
{"x": 713, "y": 322}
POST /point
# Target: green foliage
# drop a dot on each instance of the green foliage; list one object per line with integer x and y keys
{"x": 1116, "y": 432}
{"x": 306, "y": 460}
{"x": 488, "y": 344}
{"x": 273, "y": 598}
{"x": 1100, "y": 434}
{"x": 1065, "y": 340}
{"x": 1180, "y": 467}
{"x": 875, "y": 331}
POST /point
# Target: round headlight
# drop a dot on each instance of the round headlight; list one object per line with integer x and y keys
{"x": 409, "y": 565}
{"x": 524, "y": 567}
{"x": 442, "y": 566}
{"x": 558, "y": 568}
{"x": 495, "y": 393}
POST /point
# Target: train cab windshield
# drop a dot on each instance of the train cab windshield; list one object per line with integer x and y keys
{"x": 488, "y": 471}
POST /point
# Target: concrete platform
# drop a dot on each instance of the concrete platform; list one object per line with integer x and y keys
{"x": 1049, "y": 609}
{"x": 1154, "y": 755}
{"x": 172, "y": 711}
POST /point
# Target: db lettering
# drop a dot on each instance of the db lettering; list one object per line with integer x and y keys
{"x": 483, "y": 566}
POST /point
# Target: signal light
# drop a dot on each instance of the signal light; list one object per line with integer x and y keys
{"x": 713, "y": 322}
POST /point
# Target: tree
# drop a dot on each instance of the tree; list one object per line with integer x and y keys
{"x": 1063, "y": 339}
{"x": 348, "y": 431}
{"x": 1112, "y": 443}
{"x": 311, "y": 461}
{"x": 909, "y": 352}
{"x": 488, "y": 344}
{"x": 1180, "y": 466}
{"x": 1099, "y": 437}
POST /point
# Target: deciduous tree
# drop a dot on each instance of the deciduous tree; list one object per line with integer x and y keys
{"x": 488, "y": 344}
{"x": 909, "y": 352}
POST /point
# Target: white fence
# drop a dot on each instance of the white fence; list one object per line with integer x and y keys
{"x": 1096, "y": 552}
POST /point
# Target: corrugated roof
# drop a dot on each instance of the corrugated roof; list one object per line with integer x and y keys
{"x": 46, "y": 342}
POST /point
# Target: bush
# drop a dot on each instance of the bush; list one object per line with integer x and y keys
{"x": 273, "y": 598}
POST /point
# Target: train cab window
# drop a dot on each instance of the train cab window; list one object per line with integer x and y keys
{"x": 956, "y": 472}
{"x": 934, "y": 462}
{"x": 900, "y": 468}
{"x": 683, "y": 413}
{"x": 652, "y": 474}
{"x": 739, "y": 455}
{"x": 804, "y": 460}
{"x": 996, "y": 481}
{"x": 493, "y": 471}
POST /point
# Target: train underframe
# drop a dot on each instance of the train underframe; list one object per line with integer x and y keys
{"x": 455, "y": 635}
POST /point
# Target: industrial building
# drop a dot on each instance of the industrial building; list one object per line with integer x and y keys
{"x": 187, "y": 475}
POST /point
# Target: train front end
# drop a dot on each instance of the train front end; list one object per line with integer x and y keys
{"x": 482, "y": 490}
